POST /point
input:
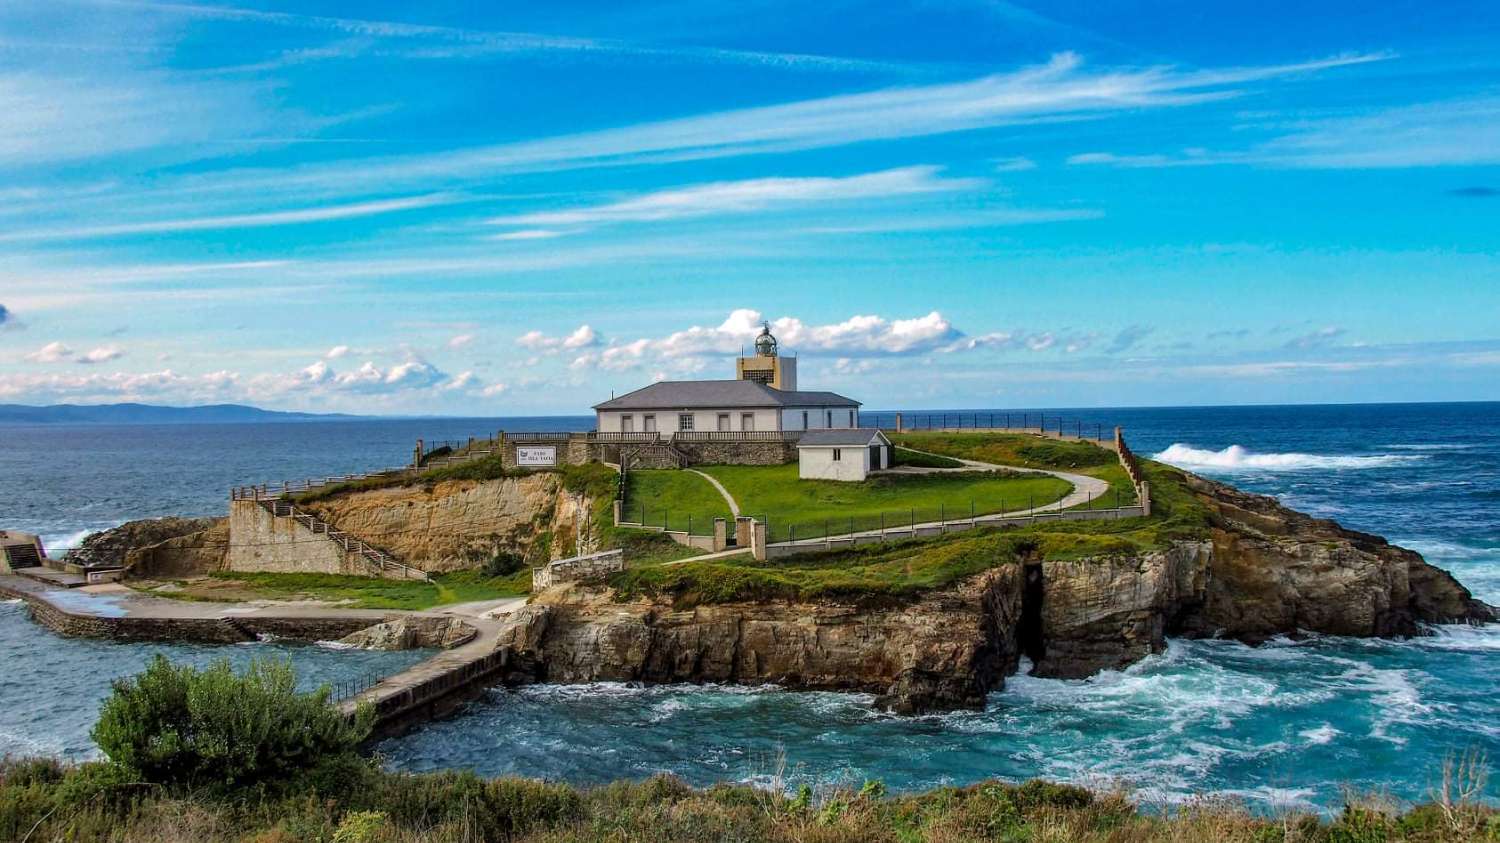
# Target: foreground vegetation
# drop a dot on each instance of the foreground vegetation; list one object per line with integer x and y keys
{"x": 216, "y": 757}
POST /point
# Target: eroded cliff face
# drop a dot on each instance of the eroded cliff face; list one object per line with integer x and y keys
{"x": 460, "y": 524}
{"x": 1276, "y": 571}
{"x": 1262, "y": 570}
{"x": 946, "y": 650}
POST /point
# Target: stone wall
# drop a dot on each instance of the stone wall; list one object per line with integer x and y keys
{"x": 197, "y": 630}
{"x": 259, "y": 541}
{"x": 592, "y": 568}
{"x": 738, "y": 453}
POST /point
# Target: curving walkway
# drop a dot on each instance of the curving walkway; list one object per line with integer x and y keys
{"x": 734, "y": 508}
{"x": 1085, "y": 488}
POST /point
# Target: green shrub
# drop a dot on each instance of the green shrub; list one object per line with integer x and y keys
{"x": 906, "y": 456}
{"x": 360, "y": 827}
{"x": 504, "y": 563}
{"x": 177, "y": 725}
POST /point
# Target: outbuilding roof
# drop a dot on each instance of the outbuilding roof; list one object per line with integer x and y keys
{"x": 851, "y": 437}
{"x": 672, "y": 395}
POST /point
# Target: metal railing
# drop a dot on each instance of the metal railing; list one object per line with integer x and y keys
{"x": 1021, "y": 420}
{"x": 346, "y": 689}
{"x": 737, "y": 435}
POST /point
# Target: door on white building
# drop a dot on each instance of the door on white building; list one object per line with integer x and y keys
{"x": 724, "y": 422}
{"x": 747, "y": 421}
{"x": 648, "y": 424}
{"x": 627, "y": 424}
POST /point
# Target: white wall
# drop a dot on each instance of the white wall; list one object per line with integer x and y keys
{"x": 818, "y": 463}
{"x": 817, "y": 418}
{"x": 609, "y": 421}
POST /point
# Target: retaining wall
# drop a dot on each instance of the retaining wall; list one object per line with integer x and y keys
{"x": 196, "y": 630}
{"x": 261, "y": 542}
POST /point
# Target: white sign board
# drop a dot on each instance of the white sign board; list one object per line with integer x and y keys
{"x": 536, "y": 456}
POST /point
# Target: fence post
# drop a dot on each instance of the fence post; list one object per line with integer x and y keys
{"x": 942, "y": 518}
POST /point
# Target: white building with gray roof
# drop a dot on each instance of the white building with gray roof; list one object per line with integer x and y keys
{"x": 753, "y": 402}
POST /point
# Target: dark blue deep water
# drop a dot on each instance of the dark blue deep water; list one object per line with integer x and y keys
{"x": 1290, "y": 724}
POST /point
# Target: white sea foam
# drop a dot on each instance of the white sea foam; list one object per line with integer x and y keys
{"x": 1238, "y": 458}
{"x": 336, "y": 645}
{"x": 1430, "y": 447}
{"x": 1321, "y": 735}
{"x": 67, "y": 541}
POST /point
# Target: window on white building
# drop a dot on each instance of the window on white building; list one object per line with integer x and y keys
{"x": 627, "y": 424}
{"x": 685, "y": 421}
{"x": 838, "y": 454}
{"x": 648, "y": 423}
{"x": 747, "y": 421}
{"x": 723, "y": 421}
{"x": 804, "y": 420}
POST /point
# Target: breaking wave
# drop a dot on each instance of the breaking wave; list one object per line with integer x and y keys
{"x": 1237, "y": 458}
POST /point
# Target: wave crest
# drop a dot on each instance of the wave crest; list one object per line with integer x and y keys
{"x": 1238, "y": 458}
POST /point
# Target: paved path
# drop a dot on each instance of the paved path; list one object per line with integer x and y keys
{"x": 734, "y": 508}
{"x": 1085, "y": 489}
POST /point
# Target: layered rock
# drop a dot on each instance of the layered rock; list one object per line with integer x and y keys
{"x": 1276, "y": 571}
{"x": 157, "y": 546}
{"x": 945, "y": 650}
{"x": 459, "y": 524}
{"x": 1262, "y": 570}
{"x": 412, "y": 632}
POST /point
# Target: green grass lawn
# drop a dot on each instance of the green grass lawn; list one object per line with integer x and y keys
{"x": 811, "y": 508}
{"x": 1029, "y": 451}
{"x": 678, "y": 500}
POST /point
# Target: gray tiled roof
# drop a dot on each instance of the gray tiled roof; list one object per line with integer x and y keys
{"x": 839, "y": 438}
{"x": 671, "y": 395}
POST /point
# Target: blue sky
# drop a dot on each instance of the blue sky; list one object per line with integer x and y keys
{"x": 511, "y": 209}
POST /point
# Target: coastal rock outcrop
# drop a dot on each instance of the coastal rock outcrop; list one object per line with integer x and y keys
{"x": 157, "y": 547}
{"x": 459, "y": 524}
{"x": 1276, "y": 571}
{"x": 1261, "y": 570}
{"x": 411, "y": 632}
{"x": 947, "y": 649}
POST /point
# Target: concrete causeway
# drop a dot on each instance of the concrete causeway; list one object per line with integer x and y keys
{"x": 427, "y": 689}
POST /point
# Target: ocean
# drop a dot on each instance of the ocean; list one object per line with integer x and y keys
{"x": 1289, "y": 725}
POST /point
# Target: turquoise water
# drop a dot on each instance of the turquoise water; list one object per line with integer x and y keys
{"x": 51, "y": 687}
{"x": 1290, "y": 724}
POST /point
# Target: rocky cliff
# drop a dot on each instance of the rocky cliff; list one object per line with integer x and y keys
{"x": 1258, "y": 570}
{"x": 457, "y": 524}
{"x": 158, "y": 547}
{"x": 946, "y": 649}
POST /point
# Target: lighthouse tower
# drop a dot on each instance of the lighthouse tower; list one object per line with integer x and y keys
{"x": 767, "y": 366}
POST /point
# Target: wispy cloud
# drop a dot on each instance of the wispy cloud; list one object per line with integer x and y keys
{"x": 1455, "y": 132}
{"x": 1060, "y": 89}
{"x": 296, "y": 216}
{"x": 102, "y": 354}
{"x": 738, "y": 197}
{"x": 425, "y": 41}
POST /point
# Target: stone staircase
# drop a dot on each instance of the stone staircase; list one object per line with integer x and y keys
{"x": 378, "y": 559}
{"x": 663, "y": 455}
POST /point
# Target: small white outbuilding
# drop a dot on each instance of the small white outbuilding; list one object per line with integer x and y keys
{"x": 849, "y": 454}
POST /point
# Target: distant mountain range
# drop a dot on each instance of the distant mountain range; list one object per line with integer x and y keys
{"x": 152, "y": 414}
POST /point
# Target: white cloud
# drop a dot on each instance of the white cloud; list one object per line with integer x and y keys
{"x": 494, "y": 389}
{"x": 1014, "y": 165}
{"x": 102, "y": 354}
{"x": 738, "y": 197}
{"x": 1460, "y": 132}
{"x": 460, "y": 382}
{"x": 460, "y": 340}
{"x": 258, "y": 220}
{"x": 581, "y": 337}
{"x": 1314, "y": 339}
{"x": 52, "y": 352}
{"x": 862, "y": 335}
{"x": 529, "y": 234}
{"x": 336, "y": 352}
{"x": 1059, "y": 89}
